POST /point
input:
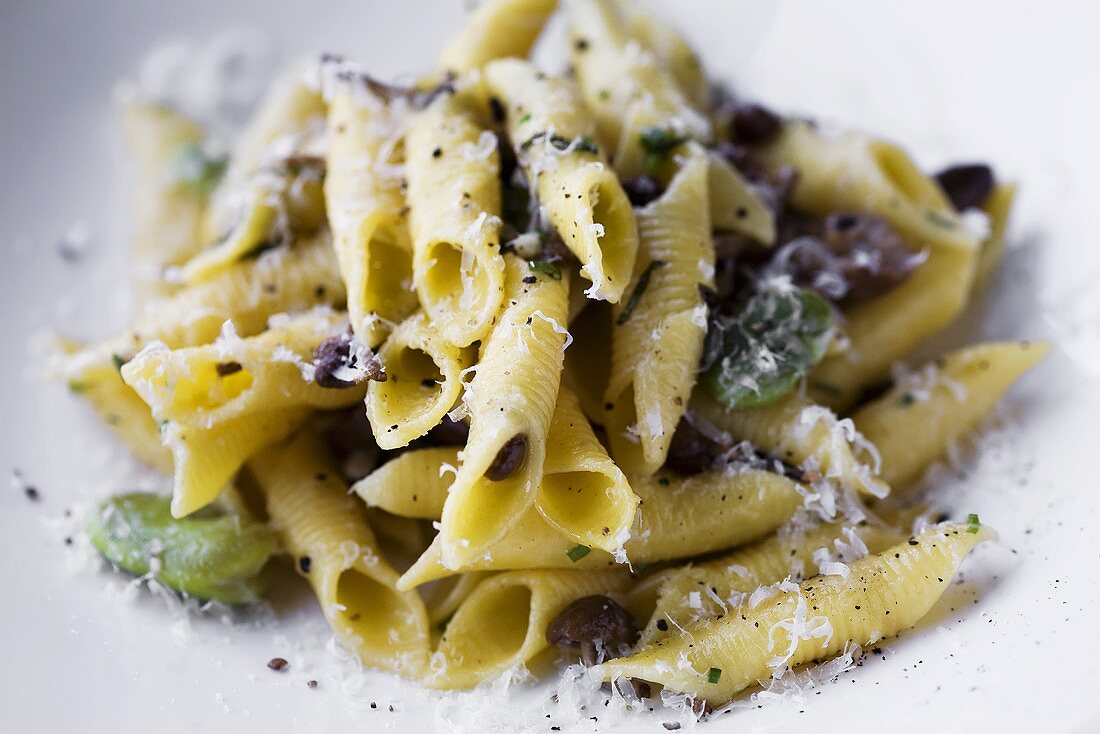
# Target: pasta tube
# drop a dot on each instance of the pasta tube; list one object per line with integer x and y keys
{"x": 582, "y": 198}
{"x": 335, "y": 550}
{"x": 883, "y": 595}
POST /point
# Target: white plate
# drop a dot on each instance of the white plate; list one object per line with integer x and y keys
{"x": 1013, "y": 648}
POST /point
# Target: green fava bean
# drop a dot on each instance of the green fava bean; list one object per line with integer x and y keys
{"x": 208, "y": 555}
{"x": 766, "y": 348}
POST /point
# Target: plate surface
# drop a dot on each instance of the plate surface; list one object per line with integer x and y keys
{"x": 1012, "y": 648}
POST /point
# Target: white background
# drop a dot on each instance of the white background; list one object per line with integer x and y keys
{"x": 1013, "y": 83}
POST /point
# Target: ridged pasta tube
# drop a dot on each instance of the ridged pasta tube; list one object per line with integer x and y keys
{"x": 453, "y": 170}
{"x": 413, "y": 484}
{"x": 675, "y": 52}
{"x": 335, "y": 550}
{"x": 168, "y": 209}
{"x": 884, "y": 594}
{"x": 917, "y": 421}
{"x": 502, "y": 624}
{"x": 366, "y": 209}
{"x": 496, "y": 29}
{"x": 710, "y": 589}
{"x": 801, "y": 433}
{"x": 217, "y": 404}
{"x": 580, "y": 195}
{"x": 583, "y": 493}
{"x": 726, "y": 509}
{"x": 657, "y": 333}
{"x": 424, "y": 381}
{"x": 510, "y": 401}
{"x": 998, "y": 207}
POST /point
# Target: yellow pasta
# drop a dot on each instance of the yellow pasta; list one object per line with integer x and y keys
{"x": 169, "y": 201}
{"x": 801, "y": 433}
{"x": 217, "y": 404}
{"x": 712, "y": 588}
{"x": 246, "y": 294}
{"x": 886, "y": 329}
{"x": 510, "y": 402}
{"x": 366, "y": 209}
{"x": 581, "y": 197}
{"x": 674, "y": 52}
{"x": 997, "y": 207}
{"x": 496, "y": 29}
{"x": 883, "y": 595}
{"x": 583, "y": 493}
{"x": 424, "y": 381}
{"x": 858, "y": 174}
{"x": 657, "y": 333}
{"x": 309, "y": 505}
{"x": 412, "y": 484}
{"x": 678, "y": 517}
{"x": 502, "y": 623}
{"x": 453, "y": 171}
{"x": 918, "y": 420}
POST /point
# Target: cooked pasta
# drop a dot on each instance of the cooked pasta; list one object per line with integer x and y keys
{"x": 333, "y": 547}
{"x": 797, "y": 623}
{"x": 516, "y": 364}
{"x": 582, "y": 198}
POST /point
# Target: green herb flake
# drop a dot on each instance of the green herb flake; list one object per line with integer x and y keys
{"x": 939, "y": 220}
{"x": 973, "y": 524}
{"x": 714, "y": 675}
{"x": 639, "y": 289}
{"x": 907, "y": 399}
{"x": 578, "y": 552}
{"x": 197, "y": 170}
{"x": 548, "y": 269}
{"x": 526, "y": 118}
{"x": 604, "y": 94}
{"x": 658, "y": 142}
{"x": 768, "y": 346}
{"x": 76, "y": 386}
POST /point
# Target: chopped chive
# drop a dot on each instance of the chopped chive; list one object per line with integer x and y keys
{"x": 77, "y": 386}
{"x": 197, "y": 170}
{"x": 658, "y": 142}
{"x": 636, "y": 295}
{"x": 939, "y": 220}
{"x": 526, "y": 117}
{"x": 578, "y": 552}
{"x": 973, "y": 524}
{"x": 548, "y": 269}
{"x": 605, "y": 94}
{"x": 714, "y": 675}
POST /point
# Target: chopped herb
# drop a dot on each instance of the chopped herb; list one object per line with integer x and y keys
{"x": 578, "y": 552}
{"x": 939, "y": 220}
{"x": 548, "y": 269}
{"x": 907, "y": 399}
{"x": 526, "y": 118}
{"x": 658, "y": 142}
{"x": 768, "y": 346}
{"x": 829, "y": 389}
{"x": 714, "y": 675}
{"x": 604, "y": 94}
{"x": 973, "y": 525}
{"x": 77, "y": 386}
{"x": 639, "y": 289}
{"x": 197, "y": 170}
{"x": 118, "y": 361}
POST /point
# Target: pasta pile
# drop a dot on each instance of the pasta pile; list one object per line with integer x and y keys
{"x": 623, "y": 343}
